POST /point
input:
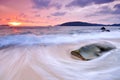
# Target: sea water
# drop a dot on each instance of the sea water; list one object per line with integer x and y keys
{"x": 44, "y": 53}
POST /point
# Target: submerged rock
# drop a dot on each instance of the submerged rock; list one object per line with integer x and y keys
{"x": 92, "y": 51}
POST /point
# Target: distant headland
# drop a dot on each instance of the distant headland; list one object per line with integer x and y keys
{"x": 78, "y": 23}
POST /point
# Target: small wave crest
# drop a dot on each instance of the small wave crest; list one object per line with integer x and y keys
{"x": 30, "y": 39}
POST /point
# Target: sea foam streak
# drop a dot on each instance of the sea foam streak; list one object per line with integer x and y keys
{"x": 30, "y": 39}
{"x": 36, "y": 58}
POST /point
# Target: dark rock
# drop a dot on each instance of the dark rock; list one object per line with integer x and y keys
{"x": 92, "y": 51}
{"x": 77, "y": 54}
{"x": 103, "y": 28}
{"x": 107, "y": 30}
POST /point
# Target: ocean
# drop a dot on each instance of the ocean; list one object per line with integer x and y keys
{"x": 44, "y": 53}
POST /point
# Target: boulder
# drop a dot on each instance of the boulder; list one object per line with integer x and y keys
{"x": 103, "y": 28}
{"x": 92, "y": 51}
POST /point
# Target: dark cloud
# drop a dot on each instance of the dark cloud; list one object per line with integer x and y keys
{"x": 117, "y": 9}
{"x": 107, "y": 10}
{"x": 57, "y": 6}
{"x": 83, "y": 3}
{"x": 58, "y": 14}
{"x": 42, "y": 4}
{"x": 117, "y": 6}
{"x": 102, "y": 1}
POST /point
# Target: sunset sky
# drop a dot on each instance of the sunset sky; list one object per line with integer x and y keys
{"x": 52, "y": 12}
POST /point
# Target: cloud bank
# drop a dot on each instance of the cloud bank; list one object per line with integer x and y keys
{"x": 83, "y": 3}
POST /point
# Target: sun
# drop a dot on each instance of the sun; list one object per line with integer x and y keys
{"x": 14, "y": 23}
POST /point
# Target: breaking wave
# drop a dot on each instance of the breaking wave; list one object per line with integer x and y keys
{"x": 30, "y": 39}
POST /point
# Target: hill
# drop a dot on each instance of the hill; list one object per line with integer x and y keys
{"x": 115, "y": 25}
{"x": 77, "y": 23}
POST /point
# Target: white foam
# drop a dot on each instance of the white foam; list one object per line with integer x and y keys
{"x": 55, "y": 63}
{"x": 54, "y": 39}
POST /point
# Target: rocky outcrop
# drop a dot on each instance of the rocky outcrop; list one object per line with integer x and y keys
{"x": 92, "y": 51}
{"x": 104, "y": 29}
